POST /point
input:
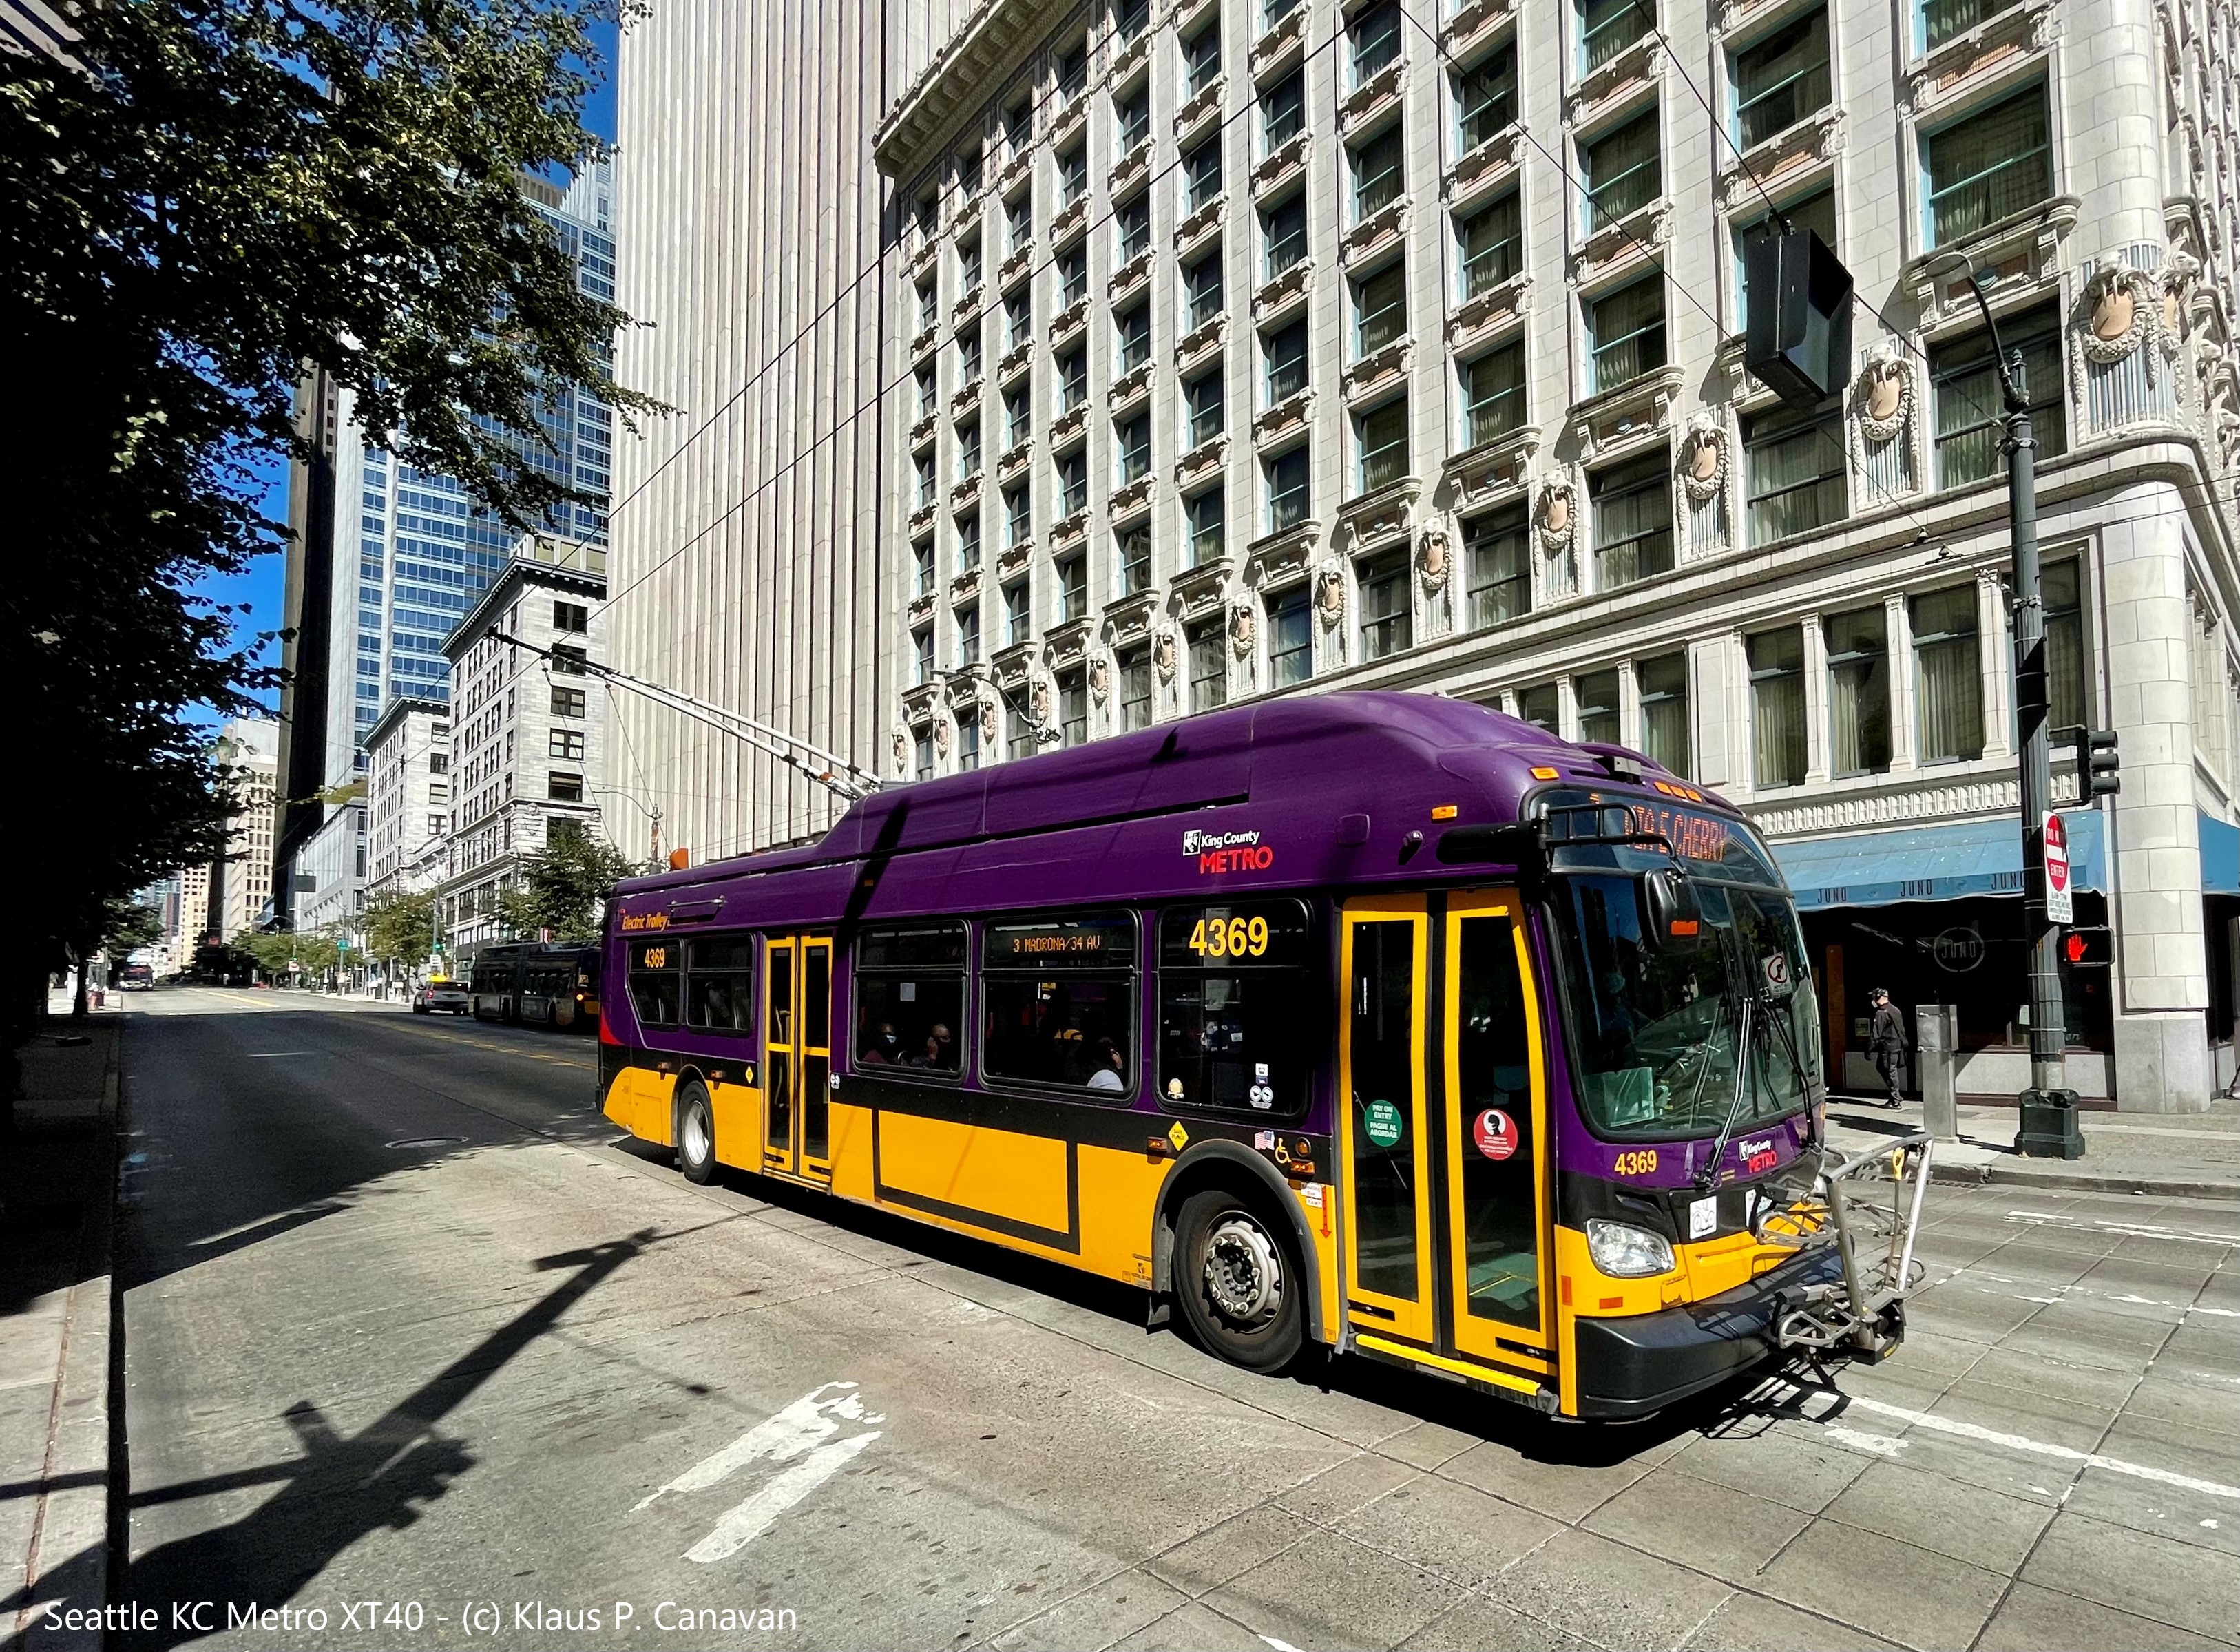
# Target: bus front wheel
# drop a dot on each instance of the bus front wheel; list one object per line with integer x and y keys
{"x": 695, "y": 1134}
{"x": 1238, "y": 1285}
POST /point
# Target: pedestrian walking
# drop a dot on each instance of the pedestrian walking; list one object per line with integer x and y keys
{"x": 1886, "y": 1043}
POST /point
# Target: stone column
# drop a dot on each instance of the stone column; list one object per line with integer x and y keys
{"x": 1816, "y": 761}
{"x": 1998, "y": 653}
{"x": 1898, "y": 633}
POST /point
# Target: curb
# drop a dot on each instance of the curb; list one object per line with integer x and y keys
{"x": 1977, "y": 1175}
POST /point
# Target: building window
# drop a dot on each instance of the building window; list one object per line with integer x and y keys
{"x": 968, "y": 634}
{"x": 1988, "y": 166}
{"x": 928, "y": 304}
{"x": 1203, "y": 396}
{"x": 1131, "y": 120}
{"x": 1493, "y": 394}
{"x": 929, "y": 391}
{"x": 1274, "y": 11}
{"x": 1948, "y": 675}
{"x": 1287, "y": 490}
{"x": 1132, "y": 552}
{"x": 968, "y": 359}
{"x": 569, "y": 661}
{"x": 2061, "y": 588}
{"x": 968, "y": 173}
{"x": 1595, "y": 698}
{"x": 1793, "y": 471}
{"x": 1019, "y": 219}
{"x": 1019, "y": 515}
{"x": 1202, "y": 57}
{"x": 1072, "y": 176}
{"x": 1202, "y": 172}
{"x": 1206, "y": 520}
{"x": 1858, "y": 692}
{"x": 1018, "y": 415}
{"x": 1964, "y": 378}
{"x": 1073, "y": 706}
{"x": 1378, "y": 172}
{"x": 1132, "y": 225}
{"x": 968, "y": 742}
{"x": 1019, "y": 738}
{"x": 1072, "y": 483}
{"x": 564, "y": 788}
{"x": 1607, "y": 27}
{"x": 1129, "y": 17}
{"x": 968, "y": 450}
{"x": 1282, "y": 111}
{"x": 1285, "y": 354}
{"x": 1135, "y": 665}
{"x": 1943, "y": 20}
{"x": 1381, "y": 440}
{"x": 968, "y": 542}
{"x": 570, "y": 618}
{"x": 1072, "y": 378}
{"x": 1782, "y": 79}
{"x": 1497, "y": 556}
{"x": 1132, "y": 441}
{"x": 1620, "y": 172}
{"x": 1633, "y": 521}
{"x": 1663, "y": 685}
{"x": 1291, "y": 638}
{"x": 1202, "y": 286}
{"x": 1485, "y": 100}
{"x": 921, "y": 555}
{"x": 1776, "y": 674}
{"x": 923, "y": 755}
{"x": 566, "y": 703}
{"x": 1541, "y": 706}
{"x": 1374, "y": 36}
{"x": 922, "y": 654}
{"x": 1387, "y": 628}
{"x": 1208, "y": 641}
{"x": 1816, "y": 213}
{"x": 1490, "y": 246}
{"x": 927, "y": 487}
{"x": 566, "y": 742}
{"x": 968, "y": 267}
{"x": 1073, "y": 71}
{"x": 1380, "y": 308}
{"x": 1019, "y": 612}
{"x": 1284, "y": 235}
{"x": 1072, "y": 587}
{"x": 1018, "y": 318}
{"x": 1135, "y": 337}
{"x": 1626, "y": 333}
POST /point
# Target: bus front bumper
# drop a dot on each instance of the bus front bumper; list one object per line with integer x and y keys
{"x": 1631, "y": 1367}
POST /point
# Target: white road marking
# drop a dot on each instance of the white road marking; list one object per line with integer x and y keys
{"x": 1880, "y": 1445}
{"x": 2043, "y": 1448}
{"x": 801, "y": 1434}
{"x": 273, "y": 1054}
{"x": 1280, "y": 1646}
{"x": 2080, "y": 1290}
{"x": 2128, "y": 1229}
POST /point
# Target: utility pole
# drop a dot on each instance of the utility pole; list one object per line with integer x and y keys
{"x": 2048, "y": 1106}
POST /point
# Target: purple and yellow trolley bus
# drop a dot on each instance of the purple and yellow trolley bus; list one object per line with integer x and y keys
{"x": 1377, "y": 1021}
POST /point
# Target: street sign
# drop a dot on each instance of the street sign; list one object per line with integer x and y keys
{"x": 2059, "y": 909}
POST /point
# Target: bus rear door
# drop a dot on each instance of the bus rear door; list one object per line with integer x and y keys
{"x": 797, "y": 1056}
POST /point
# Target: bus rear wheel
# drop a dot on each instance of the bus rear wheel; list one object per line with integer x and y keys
{"x": 1238, "y": 1285}
{"x": 695, "y": 1134}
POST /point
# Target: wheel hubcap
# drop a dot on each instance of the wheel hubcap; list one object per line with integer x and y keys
{"x": 1244, "y": 1273}
{"x": 695, "y": 1136}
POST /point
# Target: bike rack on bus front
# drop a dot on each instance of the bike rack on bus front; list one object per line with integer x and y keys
{"x": 1868, "y": 1207}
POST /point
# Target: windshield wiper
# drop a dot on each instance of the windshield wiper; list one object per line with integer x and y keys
{"x": 1743, "y": 1073}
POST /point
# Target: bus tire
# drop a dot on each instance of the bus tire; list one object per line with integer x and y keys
{"x": 1238, "y": 1284}
{"x": 696, "y": 1133}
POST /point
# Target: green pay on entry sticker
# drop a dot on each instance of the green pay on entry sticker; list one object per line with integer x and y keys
{"x": 1382, "y": 1124}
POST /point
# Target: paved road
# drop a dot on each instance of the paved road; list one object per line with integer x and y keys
{"x": 407, "y": 1327}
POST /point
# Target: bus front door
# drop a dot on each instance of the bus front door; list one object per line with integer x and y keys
{"x": 797, "y": 1056}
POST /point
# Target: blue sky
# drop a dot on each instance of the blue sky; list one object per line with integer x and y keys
{"x": 261, "y": 587}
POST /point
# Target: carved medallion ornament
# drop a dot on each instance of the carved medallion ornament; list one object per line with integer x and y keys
{"x": 1552, "y": 514}
{"x": 1703, "y": 457}
{"x": 1163, "y": 653}
{"x": 1433, "y": 561}
{"x": 1243, "y": 628}
{"x": 1884, "y": 398}
{"x": 1329, "y": 595}
{"x": 2120, "y": 304}
{"x": 1100, "y": 678}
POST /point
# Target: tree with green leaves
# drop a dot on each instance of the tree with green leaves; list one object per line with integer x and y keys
{"x": 564, "y": 890}
{"x": 199, "y": 206}
{"x": 400, "y": 926}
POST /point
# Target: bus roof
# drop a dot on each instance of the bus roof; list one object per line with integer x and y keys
{"x": 1311, "y": 760}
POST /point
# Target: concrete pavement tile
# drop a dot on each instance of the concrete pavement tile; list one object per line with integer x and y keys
{"x": 2071, "y": 1420}
{"x": 1753, "y": 1624}
{"x": 1893, "y": 1590}
{"x": 1098, "y": 1616}
{"x": 1946, "y": 1517}
{"x": 1713, "y": 1527}
{"x": 2197, "y": 1348}
{"x": 2162, "y": 1281}
{"x": 1229, "y": 1549}
{"x": 2189, "y": 1516}
{"x": 1481, "y": 1625}
{"x": 31, "y": 1341}
{"x": 2210, "y": 1407}
{"x": 2179, "y": 1249}
{"x": 2085, "y": 1334}
{"x": 1788, "y": 1468}
{"x": 1193, "y": 1627}
{"x": 1427, "y": 1445}
{"x": 2032, "y": 1619}
{"x": 1564, "y": 1490}
{"x": 1605, "y": 1591}
{"x": 1335, "y": 1492}
{"x": 1330, "y": 1592}
{"x": 2172, "y": 1582}
{"x": 1959, "y": 1309}
{"x": 1456, "y": 1531}
{"x": 2049, "y": 1385}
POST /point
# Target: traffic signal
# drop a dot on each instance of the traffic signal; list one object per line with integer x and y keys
{"x": 2089, "y": 946}
{"x": 2099, "y": 764}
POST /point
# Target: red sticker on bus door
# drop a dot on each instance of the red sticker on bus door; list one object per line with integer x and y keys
{"x": 1496, "y": 1134}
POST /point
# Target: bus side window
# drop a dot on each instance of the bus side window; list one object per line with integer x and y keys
{"x": 655, "y": 979}
{"x": 1059, "y": 999}
{"x": 910, "y": 997}
{"x": 1235, "y": 1034}
{"x": 720, "y": 990}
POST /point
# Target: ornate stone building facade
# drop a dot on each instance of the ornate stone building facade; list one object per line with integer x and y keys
{"x": 1244, "y": 347}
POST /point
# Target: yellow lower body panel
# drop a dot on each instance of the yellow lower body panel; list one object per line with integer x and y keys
{"x": 737, "y": 1110}
{"x": 947, "y": 1167}
{"x": 639, "y": 1101}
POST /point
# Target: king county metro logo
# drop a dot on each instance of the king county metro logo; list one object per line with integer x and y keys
{"x": 1197, "y": 843}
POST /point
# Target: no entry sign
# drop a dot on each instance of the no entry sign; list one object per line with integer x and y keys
{"x": 2059, "y": 909}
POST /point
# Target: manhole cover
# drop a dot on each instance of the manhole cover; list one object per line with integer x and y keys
{"x": 429, "y": 1141}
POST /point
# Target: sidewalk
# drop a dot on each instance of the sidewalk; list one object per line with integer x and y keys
{"x": 57, "y": 1191}
{"x": 2172, "y": 1156}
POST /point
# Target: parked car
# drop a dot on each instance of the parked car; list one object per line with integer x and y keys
{"x": 134, "y": 977}
{"x": 441, "y": 995}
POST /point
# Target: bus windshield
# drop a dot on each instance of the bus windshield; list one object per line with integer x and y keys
{"x": 1673, "y": 1041}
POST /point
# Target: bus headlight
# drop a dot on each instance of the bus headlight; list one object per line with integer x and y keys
{"x": 1623, "y": 1251}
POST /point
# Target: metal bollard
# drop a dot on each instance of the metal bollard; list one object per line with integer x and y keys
{"x": 1936, "y": 1038}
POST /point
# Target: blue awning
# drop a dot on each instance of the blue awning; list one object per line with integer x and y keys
{"x": 1932, "y": 862}
{"x": 2220, "y": 857}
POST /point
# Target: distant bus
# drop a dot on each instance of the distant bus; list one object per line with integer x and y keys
{"x": 536, "y": 984}
{"x": 1379, "y": 1021}
{"x": 134, "y": 977}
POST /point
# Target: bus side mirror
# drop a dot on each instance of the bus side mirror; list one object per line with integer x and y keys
{"x": 1671, "y": 918}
